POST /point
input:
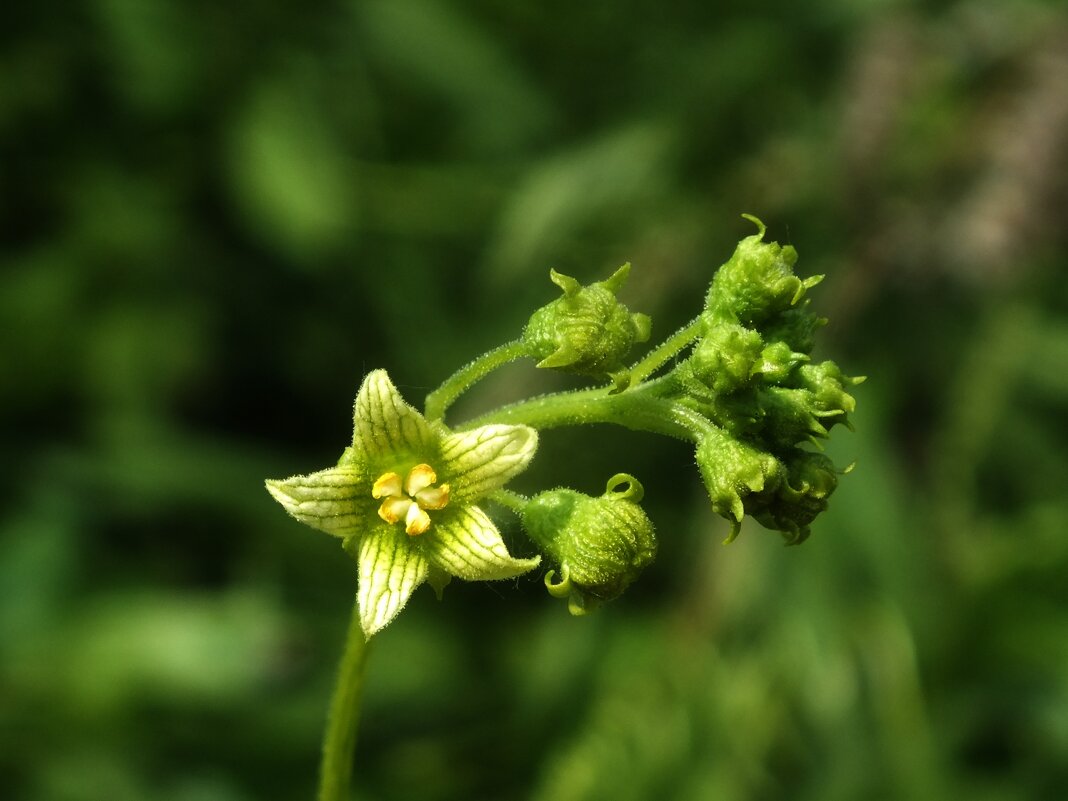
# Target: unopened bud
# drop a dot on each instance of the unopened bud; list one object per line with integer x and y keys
{"x": 757, "y": 282}
{"x": 587, "y": 331}
{"x": 600, "y": 544}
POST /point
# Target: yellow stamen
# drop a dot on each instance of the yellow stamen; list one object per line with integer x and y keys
{"x": 410, "y": 500}
{"x": 416, "y": 521}
{"x": 419, "y": 478}
{"x": 433, "y": 497}
{"x": 393, "y": 510}
{"x": 387, "y": 484}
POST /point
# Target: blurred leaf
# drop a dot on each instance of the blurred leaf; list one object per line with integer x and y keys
{"x": 442, "y": 51}
{"x": 153, "y": 46}
{"x": 291, "y": 177}
{"x": 562, "y": 195}
{"x": 128, "y": 648}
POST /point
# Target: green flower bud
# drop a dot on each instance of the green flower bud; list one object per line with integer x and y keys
{"x": 600, "y": 544}
{"x": 732, "y": 471}
{"x": 777, "y": 362}
{"x": 757, "y": 282}
{"x": 587, "y": 331}
{"x": 790, "y": 417}
{"x": 724, "y": 359}
{"x": 792, "y": 506}
{"x": 796, "y": 327}
{"x": 825, "y": 384}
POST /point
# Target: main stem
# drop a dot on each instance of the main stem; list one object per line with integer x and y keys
{"x": 339, "y": 739}
{"x": 639, "y": 409}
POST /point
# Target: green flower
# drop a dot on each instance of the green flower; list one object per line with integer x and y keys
{"x": 403, "y": 500}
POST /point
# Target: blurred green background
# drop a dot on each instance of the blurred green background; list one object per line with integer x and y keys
{"x": 217, "y": 217}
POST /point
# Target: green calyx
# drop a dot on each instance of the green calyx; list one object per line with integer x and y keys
{"x": 586, "y": 331}
{"x": 600, "y": 544}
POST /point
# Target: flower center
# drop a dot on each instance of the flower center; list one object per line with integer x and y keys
{"x": 408, "y": 501}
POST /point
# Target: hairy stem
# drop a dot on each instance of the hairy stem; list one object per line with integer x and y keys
{"x": 339, "y": 739}
{"x": 639, "y": 409}
{"x": 657, "y": 357}
{"x": 509, "y": 499}
{"x": 438, "y": 401}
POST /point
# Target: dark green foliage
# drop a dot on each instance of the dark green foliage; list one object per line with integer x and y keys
{"x": 217, "y": 217}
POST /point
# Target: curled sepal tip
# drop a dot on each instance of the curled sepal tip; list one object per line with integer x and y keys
{"x": 579, "y": 602}
{"x": 732, "y": 535}
{"x": 569, "y": 285}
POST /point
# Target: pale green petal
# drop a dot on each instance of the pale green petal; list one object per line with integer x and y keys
{"x": 337, "y": 500}
{"x": 467, "y": 544}
{"x": 390, "y": 568}
{"x": 384, "y": 425}
{"x": 481, "y": 460}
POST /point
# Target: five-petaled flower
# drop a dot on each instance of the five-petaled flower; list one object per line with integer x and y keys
{"x": 404, "y": 525}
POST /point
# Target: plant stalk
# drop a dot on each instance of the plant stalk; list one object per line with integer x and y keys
{"x": 339, "y": 738}
{"x": 639, "y": 409}
{"x": 438, "y": 401}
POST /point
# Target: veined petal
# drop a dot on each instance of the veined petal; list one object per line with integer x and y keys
{"x": 390, "y": 568}
{"x": 383, "y": 424}
{"x": 332, "y": 500}
{"x": 481, "y": 460}
{"x": 467, "y": 544}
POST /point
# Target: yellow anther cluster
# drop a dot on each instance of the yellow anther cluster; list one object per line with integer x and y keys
{"x": 409, "y": 501}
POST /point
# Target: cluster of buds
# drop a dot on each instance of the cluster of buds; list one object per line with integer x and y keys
{"x": 751, "y": 375}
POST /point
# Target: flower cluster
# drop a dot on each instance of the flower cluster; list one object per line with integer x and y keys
{"x": 738, "y": 382}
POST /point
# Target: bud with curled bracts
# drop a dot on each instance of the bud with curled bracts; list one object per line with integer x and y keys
{"x": 586, "y": 331}
{"x": 600, "y": 544}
